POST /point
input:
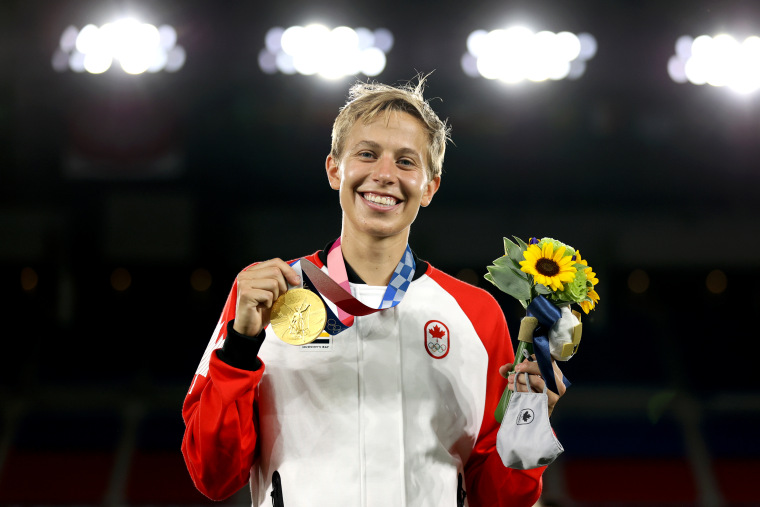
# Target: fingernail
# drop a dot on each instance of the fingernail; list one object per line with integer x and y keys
{"x": 298, "y": 280}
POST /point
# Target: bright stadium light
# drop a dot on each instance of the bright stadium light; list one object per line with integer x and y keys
{"x": 518, "y": 54}
{"x": 137, "y": 47}
{"x": 329, "y": 53}
{"x": 720, "y": 61}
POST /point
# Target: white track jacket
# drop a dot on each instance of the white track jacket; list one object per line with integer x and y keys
{"x": 387, "y": 413}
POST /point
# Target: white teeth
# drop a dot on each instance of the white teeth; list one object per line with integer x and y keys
{"x": 379, "y": 199}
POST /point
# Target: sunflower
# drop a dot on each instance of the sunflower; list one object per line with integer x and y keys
{"x": 548, "y": 267}
{"x": 590, "y": 275}
{"x": 587, "y": 306}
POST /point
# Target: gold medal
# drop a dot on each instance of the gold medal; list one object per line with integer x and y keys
{"x": 298, "y": 317}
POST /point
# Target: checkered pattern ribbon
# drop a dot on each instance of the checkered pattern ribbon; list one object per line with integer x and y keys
{"x": 400, "y": 280}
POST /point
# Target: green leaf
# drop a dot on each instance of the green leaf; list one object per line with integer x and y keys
{"x": 521, "y": 274}
{"x": 503, "y": 261}
{"x": 506, "y": 263}
{"x": 543, "y": 289}
{"x": 515, "y": 252}
{"x": 508, "y": 281}
{"x": 509, "y": 246}
{"x": 523, "y": 245}
{"x": 516, "y": 255}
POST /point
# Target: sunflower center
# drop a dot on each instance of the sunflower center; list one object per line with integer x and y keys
{"x": 547, "y": 267}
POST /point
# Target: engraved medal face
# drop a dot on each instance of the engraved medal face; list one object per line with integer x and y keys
{"x": 298, "y": 317}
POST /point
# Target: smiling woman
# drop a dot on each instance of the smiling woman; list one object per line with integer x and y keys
{"x": 383, "y": 180}
{"x": 406, "y": 337}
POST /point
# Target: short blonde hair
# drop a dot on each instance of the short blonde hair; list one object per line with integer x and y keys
{"x": 366, "y": 101}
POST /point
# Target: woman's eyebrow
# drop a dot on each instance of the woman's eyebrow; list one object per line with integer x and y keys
{"x": 366, "y": 144}
{"x": 409, "y": 151}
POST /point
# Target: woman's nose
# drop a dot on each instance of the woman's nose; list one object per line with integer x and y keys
{"x": 385, "y": 169}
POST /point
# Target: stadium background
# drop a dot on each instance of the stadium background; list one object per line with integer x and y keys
{"x": 129, "y": 203}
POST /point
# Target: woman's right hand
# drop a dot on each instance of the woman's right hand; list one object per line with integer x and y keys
{"x": 258, "y": 287}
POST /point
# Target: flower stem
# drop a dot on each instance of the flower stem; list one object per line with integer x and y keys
{"x": 501, "y": 408}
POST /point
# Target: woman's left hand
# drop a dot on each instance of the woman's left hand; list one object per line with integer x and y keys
{"x": 536, "y": 380}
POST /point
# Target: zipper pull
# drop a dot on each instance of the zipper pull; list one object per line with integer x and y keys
{"x": 277, "y": 500}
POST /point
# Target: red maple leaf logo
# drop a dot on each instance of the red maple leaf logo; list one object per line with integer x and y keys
{"x": 437, "y": 332}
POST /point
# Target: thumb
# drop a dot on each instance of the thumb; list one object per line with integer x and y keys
{"x": 505, "y": 369}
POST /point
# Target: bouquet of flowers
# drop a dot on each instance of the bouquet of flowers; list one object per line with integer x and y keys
{"x": 546, "y": 276}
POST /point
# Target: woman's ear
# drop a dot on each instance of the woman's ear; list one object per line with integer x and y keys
{"x": 431, "y": 187}
{"x": 333, "y": 172}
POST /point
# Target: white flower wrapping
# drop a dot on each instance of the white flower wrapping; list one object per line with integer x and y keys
{"x": 565, "y": 335}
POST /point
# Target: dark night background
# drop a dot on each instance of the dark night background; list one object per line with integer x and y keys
{"x": 169, "y": 184}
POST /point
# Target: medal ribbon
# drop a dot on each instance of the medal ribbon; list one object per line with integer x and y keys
{"x": 335, "y": 287}
{"x": 547, "y": 315}
{"x": 336, "y": 267}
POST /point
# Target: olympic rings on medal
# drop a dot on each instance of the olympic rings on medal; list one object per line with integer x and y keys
{"x": 333, "y": 327}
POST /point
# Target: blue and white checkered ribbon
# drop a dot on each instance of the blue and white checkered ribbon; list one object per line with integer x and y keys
{"x": 400, "y": 280}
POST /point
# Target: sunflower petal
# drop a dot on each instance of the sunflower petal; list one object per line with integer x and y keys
{"x": 548, "y": 250}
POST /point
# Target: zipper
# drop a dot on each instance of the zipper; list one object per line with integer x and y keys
{"x": 277, "y": 500}
{"x": 461, "y": 493}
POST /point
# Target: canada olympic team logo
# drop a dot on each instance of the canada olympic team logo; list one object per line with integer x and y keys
{"x": 436, "y": 339}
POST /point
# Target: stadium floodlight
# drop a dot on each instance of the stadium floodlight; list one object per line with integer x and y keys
{"x": 138, "y": 47}
{"x": 720, "y": 61}
{"x": 332, "y": 54}
{"x": 517, "y": 54}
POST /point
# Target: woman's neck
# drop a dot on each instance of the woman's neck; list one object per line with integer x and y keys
{"x": 373, "y": 259}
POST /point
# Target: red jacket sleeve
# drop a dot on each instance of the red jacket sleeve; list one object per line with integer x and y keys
{"x": 219, "y": 444}
{"x": 489, "y": 483}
